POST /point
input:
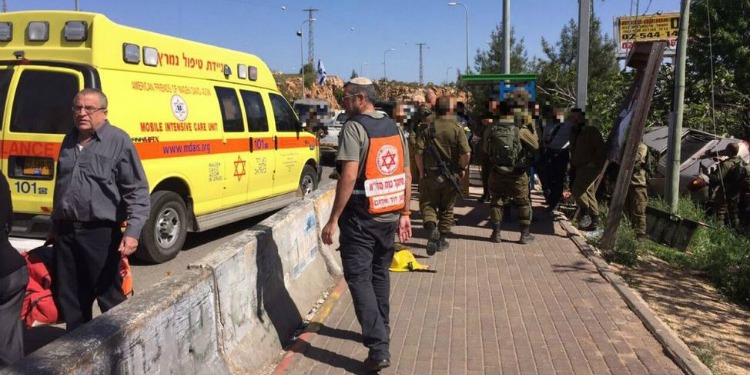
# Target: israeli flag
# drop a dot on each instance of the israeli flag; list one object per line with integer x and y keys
{"x": 321, "y": 73}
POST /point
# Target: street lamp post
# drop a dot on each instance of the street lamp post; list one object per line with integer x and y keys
{"x": 385, "y": 77}
{"x": 446, "y": 74}
{"x": 302, "y": 55}
{"x": 466, "y": 14}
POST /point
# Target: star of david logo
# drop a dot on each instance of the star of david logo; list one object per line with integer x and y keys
{"x": 239, "y": 168}
{"x": 387, "y": 159}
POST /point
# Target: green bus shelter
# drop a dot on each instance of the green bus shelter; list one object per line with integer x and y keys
{"x": 505, "y": 83}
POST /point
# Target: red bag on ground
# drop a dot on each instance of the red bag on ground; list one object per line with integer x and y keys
{"x": 39, "y": 306}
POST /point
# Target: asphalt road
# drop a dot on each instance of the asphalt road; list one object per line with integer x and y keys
{"x": 145, "y": 276}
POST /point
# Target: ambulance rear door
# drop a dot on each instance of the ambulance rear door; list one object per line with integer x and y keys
{"x": 37, "y": 116}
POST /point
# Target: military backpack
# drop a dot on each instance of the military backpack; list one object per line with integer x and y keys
{"x": 504, "y": 147}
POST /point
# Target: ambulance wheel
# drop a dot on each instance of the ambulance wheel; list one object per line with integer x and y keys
{"x": 308, "y": 181}
{"x": 166, "y": 229}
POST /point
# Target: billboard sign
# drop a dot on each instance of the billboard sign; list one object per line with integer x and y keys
{"x": 646, "y": 28}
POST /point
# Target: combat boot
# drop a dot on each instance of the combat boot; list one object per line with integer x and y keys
{"x": 443, "y": 243}
{"x": 433, "y": 237}
{"x": 593, "y": 226}
{"x": 495, "y": 236}
{"x": 526, "y": 237}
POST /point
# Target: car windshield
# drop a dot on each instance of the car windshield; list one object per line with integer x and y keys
{"x": 342, "y": 117}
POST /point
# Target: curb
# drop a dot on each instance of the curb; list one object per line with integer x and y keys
{"x": 668, "y": 338}
{"x": 300, "y": 346}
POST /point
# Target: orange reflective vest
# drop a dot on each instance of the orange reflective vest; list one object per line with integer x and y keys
{"x": 382, "y": 179}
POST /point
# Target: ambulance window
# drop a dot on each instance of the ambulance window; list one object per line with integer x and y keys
{"x": 283, "y": 114}
{"x": 230, "y": 110}
{"x": 42, "y": 102}
{"x": 5, "y": 75}
{"x": 257, "y": 121}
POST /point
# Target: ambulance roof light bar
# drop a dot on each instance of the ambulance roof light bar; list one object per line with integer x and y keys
{"x": 131, "y": 53}
{"x": 38, "y": 31}
{"x": 6, "y": 31}
{"x": 76, "y": 31}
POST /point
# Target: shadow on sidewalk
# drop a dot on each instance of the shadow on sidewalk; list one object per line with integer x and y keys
{"x": 330, "y": 358}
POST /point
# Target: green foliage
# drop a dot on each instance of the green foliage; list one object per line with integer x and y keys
{"x": 557, "y": 75}
{"x": 723, "y": 255}
{"x": 338, "y": 93}
{"x": 310, "y": 75}
{"x": 719, "y": 29}
{"x": 626, "y": 246}
{"x": 354, "y": 74}
{"x": 491, "y": 61}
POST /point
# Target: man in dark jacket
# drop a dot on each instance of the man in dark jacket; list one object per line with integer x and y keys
{"x": 13, "y": 279}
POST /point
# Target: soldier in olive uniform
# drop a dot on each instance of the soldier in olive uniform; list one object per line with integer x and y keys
{"x": 513, "y": 186}
{"x": 637, "y": 198}
{"x": 728, "y": 179}
{"x": 422, "y": 118}
{"x": 436, "y": 194}
{"x": 587, "y": 156}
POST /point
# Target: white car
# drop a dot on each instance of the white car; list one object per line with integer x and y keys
{"x": 330, "y": 143}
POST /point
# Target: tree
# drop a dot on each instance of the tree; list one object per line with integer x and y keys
{"x": 557, "y": 74}
{"x": 718, "y": 67}
{"x": 354, "y": 74}
{"x": 491, "y": 61}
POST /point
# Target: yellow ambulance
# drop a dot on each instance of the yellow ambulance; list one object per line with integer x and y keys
{"x": 217, "y": 139}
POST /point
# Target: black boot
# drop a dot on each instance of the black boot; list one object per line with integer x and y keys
{"x": 594, "y": 224}
{"x": 485, "y": 198}
{"x": 433, "y": 237}
{"x": 526, "y": 237}
{"x": 443, "y": 243}
{"x": 495, "y": 236}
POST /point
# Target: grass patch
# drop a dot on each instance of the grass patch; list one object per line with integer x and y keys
{"x": 721, "y": 254}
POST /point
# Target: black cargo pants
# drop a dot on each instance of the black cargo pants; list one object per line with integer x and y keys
{"x": 87, "y": 269}
{"x": 366, "y": 254}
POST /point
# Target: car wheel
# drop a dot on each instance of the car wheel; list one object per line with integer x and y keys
{"x": 308, "y": 181}
{"x": 166, "y": 229}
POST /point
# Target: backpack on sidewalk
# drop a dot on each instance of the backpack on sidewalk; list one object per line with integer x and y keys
{"x": 504, "y": 147}
{"x": 39, "y": 306}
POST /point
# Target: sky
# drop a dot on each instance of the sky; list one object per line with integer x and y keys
{"x": 354, "y": 34}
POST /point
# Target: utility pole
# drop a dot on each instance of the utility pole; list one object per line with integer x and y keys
{"x": 310, "y": 43}
{"x": 584, "y": 26}
{"x": 420, "y": 62}
{"x": 675, "y": 131}
{"x": 5, "y": 6}
{"x": 506, "y": 36}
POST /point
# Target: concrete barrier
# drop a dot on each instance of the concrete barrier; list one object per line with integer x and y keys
{"x": 170, "y": 330}
{"x": 231, "y": 313}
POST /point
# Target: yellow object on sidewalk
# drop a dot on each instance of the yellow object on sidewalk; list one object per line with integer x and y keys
{"x": 404, "y": 260}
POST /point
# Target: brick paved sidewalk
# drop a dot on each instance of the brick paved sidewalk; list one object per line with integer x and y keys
{"x": 492, "y": 308}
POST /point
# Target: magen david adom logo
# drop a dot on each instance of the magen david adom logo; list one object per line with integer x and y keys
{"x": 179, "y": 108}
{"x": 387, "y": 159}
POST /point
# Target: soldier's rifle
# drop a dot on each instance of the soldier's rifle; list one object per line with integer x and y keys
{"x": 443, "y": 167}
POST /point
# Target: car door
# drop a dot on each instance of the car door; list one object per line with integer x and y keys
{"x": 288, "y": 141}
{"x": 39, "y": 99}
{"x": 235, "y": 144}
{"x": 262, "y": 156}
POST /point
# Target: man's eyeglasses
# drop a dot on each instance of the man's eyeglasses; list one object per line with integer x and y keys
{"x": 89, "y": 110}
{"x": 348, "y": 96}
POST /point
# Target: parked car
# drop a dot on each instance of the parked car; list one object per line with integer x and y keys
{"x": 330, "y": 143}
{"x": 695, "y": 144}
